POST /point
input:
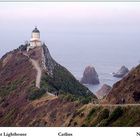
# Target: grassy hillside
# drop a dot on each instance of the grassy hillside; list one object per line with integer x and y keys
{"x": 102, "y": 116}
{"x": 126, "y": 90}
{"x": 64, "y": 83}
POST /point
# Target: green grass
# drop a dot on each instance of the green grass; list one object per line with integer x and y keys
{"x": 63, "y": 81}
{"x": 102, "y": 116}
{"x": 130, "y": 117}
{"x": 121, "y": 116}
{"x": 35, "y": 93}
{"x": 115, "y": 115}
{"x": 92, "y": 113}
{"x": 118, "y": 112}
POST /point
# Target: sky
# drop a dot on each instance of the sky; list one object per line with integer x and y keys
{"x": 105, "y": 35}
{"x": 90, "y": 17}
{"x": 68, "y": 26}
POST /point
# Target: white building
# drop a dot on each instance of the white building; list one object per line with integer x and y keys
{"x": 35, "y": 39}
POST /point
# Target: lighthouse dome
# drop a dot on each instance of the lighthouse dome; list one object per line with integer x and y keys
{"x": 36, "y": 30}
{"x": 35, "y": 34}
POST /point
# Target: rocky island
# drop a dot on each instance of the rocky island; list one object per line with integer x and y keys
{"x": 90, "y": 76}
{"x": 121, "y": 72}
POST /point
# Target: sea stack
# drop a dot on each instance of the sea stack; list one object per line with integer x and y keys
{"x": 121, "y": 72}
{"x": 90, "y": 76}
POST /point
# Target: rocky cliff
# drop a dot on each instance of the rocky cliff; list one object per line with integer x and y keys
{"x": 30, "y": 81}
{"x": 126, "y": 90}
{"x": 103, "y": 91}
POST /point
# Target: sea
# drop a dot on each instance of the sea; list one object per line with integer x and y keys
{"x": 105, "y": 53}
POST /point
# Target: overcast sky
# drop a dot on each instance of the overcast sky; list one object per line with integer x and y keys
{"x": 98, "y": 13}
{"x": 17, "y": 20}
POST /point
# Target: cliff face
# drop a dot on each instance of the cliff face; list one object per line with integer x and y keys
{"x": 60, "y": 79}
{"x": 103, "y": 91}
{"x": 126, "y": 90}
{"x": 49, "y": 62}
{"x": 29, "y": 82}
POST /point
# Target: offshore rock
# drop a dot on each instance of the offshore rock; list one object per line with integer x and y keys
{"x": 90, "y": 76}
{"x": 121, "y": 72}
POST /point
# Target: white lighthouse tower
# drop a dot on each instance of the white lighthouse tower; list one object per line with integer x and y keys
{"x": 35, "y": 39}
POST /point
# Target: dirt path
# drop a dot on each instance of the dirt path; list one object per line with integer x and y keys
{"x": 50, "y": 94}
{"x": 39, "y": 72}
{"x": 38, "y": 69}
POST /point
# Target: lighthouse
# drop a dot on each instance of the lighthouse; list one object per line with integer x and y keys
{"x": 35, "y": 39}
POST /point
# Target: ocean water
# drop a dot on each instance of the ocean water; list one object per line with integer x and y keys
{"x": 106, "y": 53}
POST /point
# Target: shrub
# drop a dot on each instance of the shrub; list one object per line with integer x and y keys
{"x": 118, "y": 112}
{"x": 113, "y": 117}
{"x": 115, "y": 114}
{"x": 71, "y": 98}
{"x": 104, "y": 114}
{"x": 103, "y": 123}
{"x": 85, "y": 100}
{"x": 90, "y": 114}
{"x": 23, "y": 47}
{"x": 67, "y": 97}
{"x": 36, "y": 93}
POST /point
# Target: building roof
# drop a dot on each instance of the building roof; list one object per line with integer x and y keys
{"x": 36, "y": 30}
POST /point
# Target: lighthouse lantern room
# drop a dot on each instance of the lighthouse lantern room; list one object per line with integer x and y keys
{"x": 35, "y": 39}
